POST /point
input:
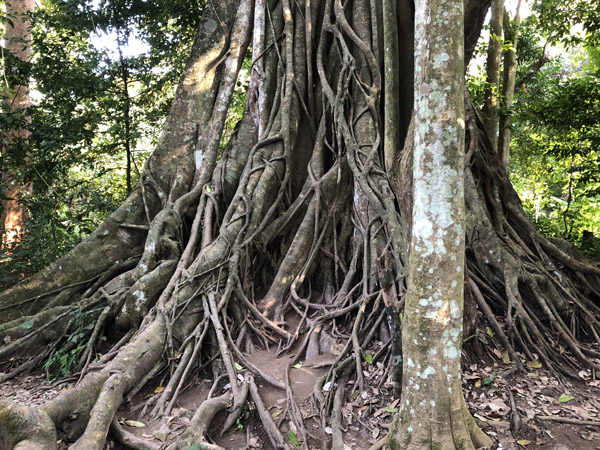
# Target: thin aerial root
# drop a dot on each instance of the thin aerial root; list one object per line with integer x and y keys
{"x": 26, "y": 366}
{"x": 269, "y": 424}
{"x": 159, "y": 367}
{"x": 196, "y": 432}
{"x": 165, "y": 396}
{"x": 130, "y": 440}
{"x": 495, "y": 325}
{"x": 197, "y": 346}
{"x": 108, "y": 312}
{"x": 238, "y": 404}
{"x": 336, "y": 420}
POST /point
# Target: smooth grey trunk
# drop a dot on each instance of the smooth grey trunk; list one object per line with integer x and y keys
{"x": 511, "y": 35}
{"x": 491, "y": 108}
{"x": 433, "y": 409}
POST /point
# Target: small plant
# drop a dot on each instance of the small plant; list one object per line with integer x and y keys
{"x": 64, "y": 360}
{"x": 62, "y": 363}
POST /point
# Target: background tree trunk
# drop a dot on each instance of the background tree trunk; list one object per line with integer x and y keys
{"x": 491, "y": 108}
{"x": 511, "y": 35}
{"x": 17, "y": 37}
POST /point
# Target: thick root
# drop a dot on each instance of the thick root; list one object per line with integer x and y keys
{"x": 25, "y": 428}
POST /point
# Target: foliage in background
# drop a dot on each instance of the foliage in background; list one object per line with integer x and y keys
{"x": 556, "y": 165}
{"x": 555, "y": 121}
{"x": 76, "y": 149}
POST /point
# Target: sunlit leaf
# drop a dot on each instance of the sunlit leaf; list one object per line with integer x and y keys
{"x": 565, "y": 398}
{"x": 135, "y": 423}
{"x": 535, "y": 364}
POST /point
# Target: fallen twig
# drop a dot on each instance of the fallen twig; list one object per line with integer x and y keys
{"x": 593, "y": 423}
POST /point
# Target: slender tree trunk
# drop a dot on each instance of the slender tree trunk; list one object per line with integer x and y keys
{"x": 511, "y": 35}
{"x": 126, "y": 115}
{"x": 491, "y": 108}
{"x": 433, "y": 414}
{"x": 18, "y": 41}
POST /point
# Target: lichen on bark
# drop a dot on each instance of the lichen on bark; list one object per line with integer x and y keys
{"x": 433, "y": 412}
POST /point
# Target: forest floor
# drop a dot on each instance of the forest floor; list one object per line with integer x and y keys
{"x": 553, "y": 414}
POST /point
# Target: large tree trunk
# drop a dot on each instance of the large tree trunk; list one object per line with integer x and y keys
{"x": 433, "y": 312}
{"x": 305, "y": 212}
{"x": 17, "y": 37}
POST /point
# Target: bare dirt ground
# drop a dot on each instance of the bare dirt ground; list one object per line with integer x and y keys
{"x": 531, "y": 410}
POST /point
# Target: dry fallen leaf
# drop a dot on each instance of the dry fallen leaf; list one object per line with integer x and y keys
{"x": 135, "y": 423}
{"x": 534, "y": 364}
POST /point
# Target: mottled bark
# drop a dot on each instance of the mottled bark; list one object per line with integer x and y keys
{"x": 433, "y": 413}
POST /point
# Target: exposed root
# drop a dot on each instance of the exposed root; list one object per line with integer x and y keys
{"x": 130, "y": 440}
{"x": 25, "y": 428}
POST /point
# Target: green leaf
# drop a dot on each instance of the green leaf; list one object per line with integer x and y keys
{"x": 237, "y": 366}
{"x": 391, "y": 410}
{"x": 294, "y": 439}
{"x": 565, "y": 398}
{"x": 27, "y": 325}
{"x": 489, "y": 331}
{"x": 369, "y": 358}
{"x": 276, "y": 413}
{"x": 297, "y": 366}
{"x": 355, "y": 395}
{"x": 486, "y": 381}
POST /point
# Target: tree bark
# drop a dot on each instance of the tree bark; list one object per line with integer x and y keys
{"x": 491, "y": 109}
{"x": 511, "y": 35}
{"x": 433, "y": 413}
{"x": 17, "y": 36}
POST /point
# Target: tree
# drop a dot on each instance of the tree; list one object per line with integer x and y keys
{"x": 432, "y": 334}
{"x": 299, "y": 209}
{"x": 491, "y": 109}
{"x": 511, "y": 35}
{"x": 15, "y": 98}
